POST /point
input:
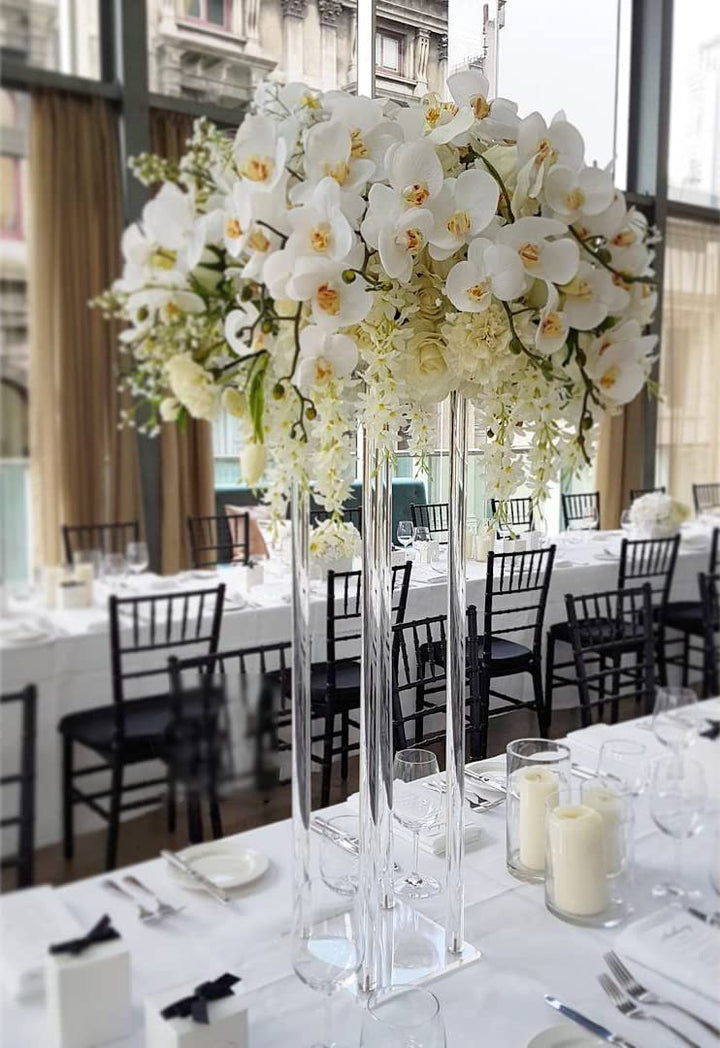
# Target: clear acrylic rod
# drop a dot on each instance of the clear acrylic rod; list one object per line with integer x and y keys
{"x": 301, "y": 655}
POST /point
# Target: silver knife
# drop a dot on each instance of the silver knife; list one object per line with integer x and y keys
{"x": 180, "y": 864}
{"x": 587, "y": 1024}
{"x": 708, "y": 918}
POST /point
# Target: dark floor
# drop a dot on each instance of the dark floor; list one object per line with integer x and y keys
{"x": 143, "y": 837}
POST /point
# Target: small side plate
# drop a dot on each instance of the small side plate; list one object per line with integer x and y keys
{"x": 227, "y": 867}
{"x": 564, "y": 1036}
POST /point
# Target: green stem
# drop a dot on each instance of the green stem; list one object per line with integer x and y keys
{"x": 606, "y": 265}
{"x": 503, "y": 188}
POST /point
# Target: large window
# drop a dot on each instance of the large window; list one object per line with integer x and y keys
{"x": 213, "y": 12}
{"x": 388, "y": 52}
{"x": 62, "y": 35}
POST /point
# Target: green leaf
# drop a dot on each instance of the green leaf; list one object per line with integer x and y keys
{"x": 182, "y": 420}
{"x": 256, "y": 399}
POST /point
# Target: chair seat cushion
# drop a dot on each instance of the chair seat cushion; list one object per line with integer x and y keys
{"x": 684, "y": 615}
{"x": 507, "y": 656}
{"x": 347, "y": 682}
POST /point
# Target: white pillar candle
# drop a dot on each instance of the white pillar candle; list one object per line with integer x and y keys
{"x": 609, "y": 805}
{"x": 85, "y": 573}
{"x": 577, "y": 852}
{"x": 534, "y": 786}
{"x": 484, "y": 543}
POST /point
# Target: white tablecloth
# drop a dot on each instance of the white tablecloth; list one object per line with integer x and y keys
{"x": 72, "y": 670}
{"x": 497, "y": 1002}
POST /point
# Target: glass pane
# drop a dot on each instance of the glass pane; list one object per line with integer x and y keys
{"x": 191, "y": 8}
{"x": 62, "y": 36}
{"x": 216, "y": 12}
{"x": 694, "y": 160}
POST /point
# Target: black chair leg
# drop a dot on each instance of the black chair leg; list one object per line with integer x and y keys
{"x": 601, "y": 688}
{"x": 483, "y": 715}
{"x": 660, "y": 656}
{"x": 216, "y": 827}
{"x": 686, "y": 660}
{"x": 344, "y": 744}
{"x": 327, "y": 760}
{"x": 194, "y": 816}
{"x": 549, "y": 671}
{"x": 171, "y": 804}
{"x": 67, "y": 799}
{"x": 615, "y": 703}
{"x": 540, "y": 710}
{"x": 116, "y": 781}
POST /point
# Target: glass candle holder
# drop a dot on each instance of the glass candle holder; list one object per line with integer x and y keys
{"x": 537, "y": 769}
{"x": 588, "y": 855}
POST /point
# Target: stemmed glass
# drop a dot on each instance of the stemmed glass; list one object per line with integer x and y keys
{"x": 403, "y": 1017}
{"x": 416, "y": 809}
{"x": 672, "y": 719}
{"x": 137, "y": 557}
{"x": 421, "y": 539}
{"x": 623, "y": 766}
{"x": 405, "y": 532}
{"x": 626, "y": 522}
{"x": 114, "y": 570}
{"x": 327, "y": 955}
{"x": 677, "y": 803}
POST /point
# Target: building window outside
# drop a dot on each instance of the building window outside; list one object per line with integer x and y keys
{"x": 210, "y": 12}
{"x": 389, "y": 52}
{"x": 11, "y": 211}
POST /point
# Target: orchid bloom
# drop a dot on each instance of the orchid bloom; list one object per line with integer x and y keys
{"x": 574, "y": 194}
{"x": 329, "y": 153}
{"x": 540, "y": 148}
{"x": 323, "y": 356}
{"x": 320, "y": 227}
{"x": 260, "y": 153}
{"x": 334, "y": 303}
{"x": 591, "y": 296}
{"x": 618, "y": 361}
{"x": 554, "y": 260}
{"x": 464, "y": 208}
{"x": 552, "y": 331}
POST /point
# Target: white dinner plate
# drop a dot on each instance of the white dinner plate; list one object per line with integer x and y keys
{"x": 494, "y": 768}
{"x": 226, "y": 865}
{"x": 564, "y": 1036}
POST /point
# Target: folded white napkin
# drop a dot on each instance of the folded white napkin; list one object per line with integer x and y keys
{"x": 677, "y": 945}
{"x": 30, "y": 921}
{"x": 433, "y": 840}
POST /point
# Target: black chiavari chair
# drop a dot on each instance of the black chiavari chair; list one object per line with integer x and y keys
{"x": 637, "y": 493}
{"x": 419, "y": 676}
{"x": 134, "y": 731}
{"x": 514, "y": 516}
{"x": 219, "y": 540}
{"x": 516, "y": 588}
{"x": 107, "y": 538}
{"x": 335, "y": 683}
{"x": 433, "y": 516}
{"x": 584, "y": 507}
{"x": 710, "y": 598}
{"x": 706, "y": 497}
{"x": 21, "y": 785}
{"x": 604, "y": 629}
{"x": 350, "y": 515}
{"x": 686, "y": 618}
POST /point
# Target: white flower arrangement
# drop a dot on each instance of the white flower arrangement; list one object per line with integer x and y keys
{"x": 657, "y": 515}
{"x": 346, "y": 260}
{"x": 333, "y": 540}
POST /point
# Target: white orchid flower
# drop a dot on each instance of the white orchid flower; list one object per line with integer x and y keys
{"x": 320, "y": 227}
{"x": 608, "y": 222}
{"x": 490, "y": 120}
{"x": 370, "y": 132}
{"x": 277, "y": 270}
{"x": 574, "y": 194}
{"x": 540, "y": 148}
{"x": 260, "y": 153}
{"x": 237, "y": 218}
{"x": 464, "y": 208}
{"x": 542, "y": 258}
{"x": 165, "y": 304}
{"x": 334, "y": 303}
{"x": 323, "y": 357}
{"x": 619, "y": 361}
{"x": 329, "y": 152}
{"x": 266, "y": 232}
{"x": 165, "y": 243}
{"x": 554, "y": 325}
{"x": 469, "y": 284}
{"x": 642, "y": 302}
{"x": 415, "y": 173}
{"x": 591, "y": 296}
{"x": 401, "y": 241}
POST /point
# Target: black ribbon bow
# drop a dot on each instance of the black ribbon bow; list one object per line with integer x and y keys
{"x": 196, "y": 1004}
{"x": 102, "y": 932}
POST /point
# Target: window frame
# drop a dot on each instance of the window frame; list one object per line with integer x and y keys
{"x": 387, "y": 34}
{"x": 201, "y": 21}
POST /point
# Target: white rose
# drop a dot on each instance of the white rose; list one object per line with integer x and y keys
{"x": 252, "y": 463}
{"x": 193, "y": 386}
{"x": 426, "y": 371}
{"x": 234, "y": 402}
{"x": 169, "y": 409}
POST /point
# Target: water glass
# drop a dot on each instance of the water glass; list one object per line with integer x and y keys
{"x": 405, "y": 531}
{"x": 339, "y": 854}
{"x": 416, "y": 809}
{"x": 421, "y": 540}
{"x": 114, "y": 570}
{"x": 403, "y": 1017}
{"x": 137, "y": 557}
{"x": 626, "y": 522}
{"x": 673, "y": 717}
{"x": 623, "y": 766}
{"x": 678, "y": 797}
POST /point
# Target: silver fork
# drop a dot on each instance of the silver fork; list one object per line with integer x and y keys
{"x": 145, "y": 915}
{"x": 475, "y": 803}
{"x": 629, "y": 983}
{"x": 164, "y": 909}
{"x": 627, "y": 1007}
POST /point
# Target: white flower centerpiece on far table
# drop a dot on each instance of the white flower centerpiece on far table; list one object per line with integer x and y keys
{"x": 657, "y": 516}
{"x": 333, "y": 545}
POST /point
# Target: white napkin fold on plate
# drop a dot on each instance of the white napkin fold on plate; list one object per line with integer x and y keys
{"x": 677, "y": 945}
{"x": 30, "y": 921}
{"x": 432, "y": 841}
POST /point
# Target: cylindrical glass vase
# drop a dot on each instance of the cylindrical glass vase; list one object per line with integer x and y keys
{"x": 537, "y": 769}
{"x": 588, "y": 855}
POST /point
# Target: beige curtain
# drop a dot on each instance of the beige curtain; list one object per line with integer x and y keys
{"x": 689, "y": 416}
{"x": 83, "y": 469}
{"x": 187, "y": 460}
{"x": 619, "y": 462}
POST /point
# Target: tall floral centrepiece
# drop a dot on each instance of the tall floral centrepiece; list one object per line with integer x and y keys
{"x": 348, "y": 260}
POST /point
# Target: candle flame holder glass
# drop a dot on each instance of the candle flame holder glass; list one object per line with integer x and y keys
{"x": 588, "y": 855}
{"x": 536, "y": 770}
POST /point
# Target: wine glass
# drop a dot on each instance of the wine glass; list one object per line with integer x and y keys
{"x": 403, "y": 1017}
{"x": 672, "y": 719}
{"x": 623, "y": 766}
{"x": 626, "y": 522}
{"x": 421, "y": 539}
{"x": 416, "y": 809}
{"x": 339, "y": 854}
{"x": 114, "y": 570}
{"x": 677, "y": 803}
{"x": 137, "y": 557}
{"x": 327, "y": 954}
{"x": 405, "y": 531}
{"x": 439, "y": 559}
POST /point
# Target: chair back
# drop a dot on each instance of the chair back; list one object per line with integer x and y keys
{"x": 710, "y": 598}
{"x": 636, "y": 493}
{"x": 516, "y": 586}
{"x": 419, "y": 671}
{"x": 714, "y": 552}
{"x": 514, "y": 516}
{"x": 23, "y": 787}
{"x": 108, "y": 538}
{"x": 141, "y": 627}
{"x": 219, "y": 540}
{"x": 649, "y": 560}
{"x": 706, "y": 497}
{"x": 350, "y": 515}
{"x": 434, "y": 517}
{"x": 344, "y": 610}
{"x": 604, "y": 627}
{"x": 582, "y": 506}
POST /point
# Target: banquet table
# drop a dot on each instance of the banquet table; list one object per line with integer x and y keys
{"x": 71, "y": 666}
{"x": 495, "y": 1002}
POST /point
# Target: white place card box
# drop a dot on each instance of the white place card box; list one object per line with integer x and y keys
{"x": 88, "y": 995}
{"x": 227, "y": 1026}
